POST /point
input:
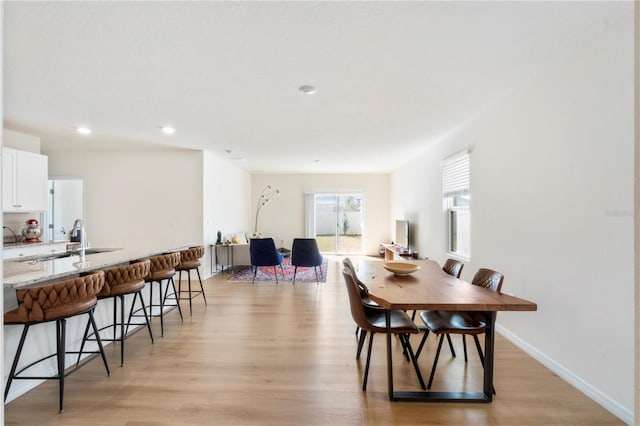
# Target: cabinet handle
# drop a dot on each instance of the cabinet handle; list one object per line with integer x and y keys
{"x": 17, "y": 205}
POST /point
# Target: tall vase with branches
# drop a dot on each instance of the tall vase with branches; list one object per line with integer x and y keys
{"x": 263, "y": 200}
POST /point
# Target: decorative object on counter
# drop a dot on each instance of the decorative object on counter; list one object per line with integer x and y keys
{"x": 75, "y": 236}
{"x": 31, "y": 232}
{"x": 263, "y": 200}
{"x": 219, "y": 240}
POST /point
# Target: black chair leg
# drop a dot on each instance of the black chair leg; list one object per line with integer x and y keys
{"x": 453, "y": 353}
{"x": 422, "y": 342}
{"x": 464, "y": 345}
{"x": 361, "y": 339}
{"x": 366, "y": 368}
{"x": 255, "y": 272}
{"x": 435, "y": 361}
{"x": 295, "y": 271}
{"x": 414, "y": 360}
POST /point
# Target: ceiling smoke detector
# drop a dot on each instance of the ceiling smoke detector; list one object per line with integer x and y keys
{"x": 307, "y": 89}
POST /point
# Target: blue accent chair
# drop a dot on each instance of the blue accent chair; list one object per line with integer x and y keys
{"x": 304, "y": 252}
{"x": 263, "y": 252}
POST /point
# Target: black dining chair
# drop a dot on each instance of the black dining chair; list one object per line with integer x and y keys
{"x": 460, "y": 322}
{"x": 305, "y": 253}
{"x": 263, "y": 252}
{"x": 373, "y": 320}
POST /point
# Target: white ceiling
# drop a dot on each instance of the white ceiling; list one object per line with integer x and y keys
{"x": 391, "y": 76}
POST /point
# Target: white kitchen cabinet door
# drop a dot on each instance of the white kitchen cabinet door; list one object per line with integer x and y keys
{"x": 24, "y": 186}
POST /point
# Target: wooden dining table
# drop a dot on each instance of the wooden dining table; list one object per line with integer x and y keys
{"x": 430, "y": 288}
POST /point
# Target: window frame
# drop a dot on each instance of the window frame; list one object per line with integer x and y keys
{"x": 456, "y": 201}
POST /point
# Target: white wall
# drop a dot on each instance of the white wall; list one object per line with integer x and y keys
{"x": 138, "y": 198}
{"x": 227, "y": 206}
{"x": 552, "y": 208}
{"x": 283, "y": 218}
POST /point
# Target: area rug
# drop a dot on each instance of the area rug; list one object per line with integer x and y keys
{"x": 265, "y": 273}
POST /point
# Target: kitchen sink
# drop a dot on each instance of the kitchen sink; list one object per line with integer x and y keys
{"x": 65, "y": 254}
{"x": 93, "y": 250}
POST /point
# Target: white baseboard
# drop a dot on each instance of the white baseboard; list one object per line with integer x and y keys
{"x": 624, "y": 414}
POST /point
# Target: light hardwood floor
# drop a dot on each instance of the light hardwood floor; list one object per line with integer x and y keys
{"x": 278, "y": 354}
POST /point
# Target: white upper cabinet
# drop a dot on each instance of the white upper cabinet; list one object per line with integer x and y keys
{"x": 24, "y": 181}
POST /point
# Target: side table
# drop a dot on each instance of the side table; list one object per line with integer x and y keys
{"x": 215, "y": 248}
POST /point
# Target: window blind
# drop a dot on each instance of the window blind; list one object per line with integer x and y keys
{"x": 455, "y": 175}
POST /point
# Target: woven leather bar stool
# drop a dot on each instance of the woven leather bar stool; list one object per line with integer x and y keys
{"x": 55, "y": 302}
{"x": 190, "y": 260}
{"x": 119, "y": 282}
{"x": 163, "y": 267}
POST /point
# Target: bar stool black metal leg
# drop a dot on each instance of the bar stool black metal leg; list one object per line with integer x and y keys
{"x": 61, "y": 326}
{"x": 190, "y": 297}
{"x": 12, "y": 373}
{"x": 173, "y": 285}
{"x": 147, "y": 318}
{"x": 204, "y": 296}
{"x": 122, "y": 333}
{"x": 97, "y": 334}
{"x": 161, "y": 307}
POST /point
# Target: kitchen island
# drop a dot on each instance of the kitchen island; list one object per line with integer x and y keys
{"x": 26, "y": 272}
{"x": 38, "y": 270}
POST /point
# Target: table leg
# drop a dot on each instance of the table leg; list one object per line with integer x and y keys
{"x": 387, "y": 315}
{"x": 489, "y": 348}
{"x": 487, "y": 388}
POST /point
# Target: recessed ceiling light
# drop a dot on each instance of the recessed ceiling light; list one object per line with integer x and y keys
{"x": 83, "y": 130}
{"x": 168, "y": 130}
{"x": 307, "y": 89}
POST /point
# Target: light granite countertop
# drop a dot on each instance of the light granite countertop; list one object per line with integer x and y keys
{"x": 25, "y": 273}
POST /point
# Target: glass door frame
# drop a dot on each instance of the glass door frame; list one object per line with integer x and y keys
{"x": 343, "y": 223}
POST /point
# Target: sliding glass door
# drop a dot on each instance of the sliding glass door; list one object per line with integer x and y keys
{"x": 338, "y": 220}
